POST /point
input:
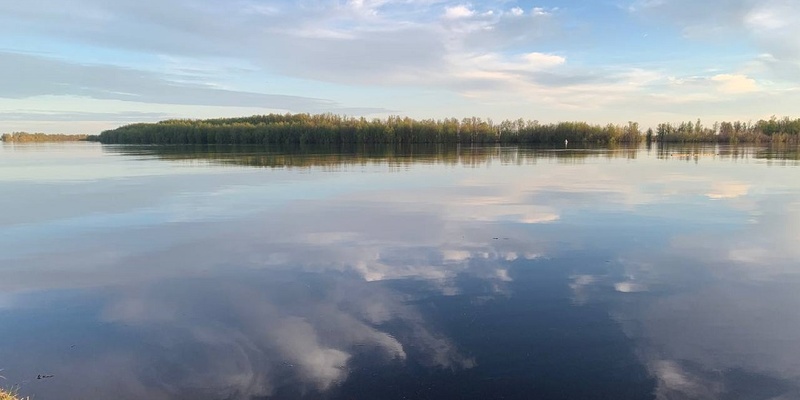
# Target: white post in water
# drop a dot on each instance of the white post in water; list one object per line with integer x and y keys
{"x": 566, "y": 142}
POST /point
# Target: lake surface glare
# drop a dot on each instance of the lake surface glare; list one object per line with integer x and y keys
{"x": 399, "y": 273}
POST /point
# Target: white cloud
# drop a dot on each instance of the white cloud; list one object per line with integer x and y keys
{"x": 735, "y": 83}
{"x": 459, "y": 11}
{"x": 542, "y": 60}
{"x": 540, "y": 11}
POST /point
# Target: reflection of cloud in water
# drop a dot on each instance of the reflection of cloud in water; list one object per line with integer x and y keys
{"x": 579, "y": 286}
{"x": 435, "y": 264}
{"x": 723, "y": 341}
{"x": 494, "y": 209}
{"x": 319, "y": 266}
{"x": 630, "y": 287}
{"x": 455, "y": 255}
{"x": 258, "y": 336}
{"x": 690, "y": 380}
{"x": 724, "y": 322}
{"x": 675, "y": 382}
{"x": 765, "y": 250}
{"x": 309, "y": 236}
{"x": 727, "y": 190}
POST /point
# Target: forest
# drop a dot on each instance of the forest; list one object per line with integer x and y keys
{"x": 25, "y": 137}
{"x": 336, "y": 129}
{"x": 764, "y": 131}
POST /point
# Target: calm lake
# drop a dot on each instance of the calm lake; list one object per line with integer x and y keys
{"x": 387, "y": 273}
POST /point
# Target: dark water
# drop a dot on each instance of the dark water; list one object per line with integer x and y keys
{"x": 416, "y": 273}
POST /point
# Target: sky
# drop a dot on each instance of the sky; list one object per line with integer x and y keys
{"x": 89, "y": 65}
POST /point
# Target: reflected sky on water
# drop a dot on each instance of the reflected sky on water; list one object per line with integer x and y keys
{"x": 239, "y": 273}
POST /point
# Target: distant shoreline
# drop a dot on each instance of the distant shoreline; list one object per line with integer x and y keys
{"x": 25, "y": 137}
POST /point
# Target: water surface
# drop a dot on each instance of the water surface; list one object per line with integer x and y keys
{"x": 420, "y": 272}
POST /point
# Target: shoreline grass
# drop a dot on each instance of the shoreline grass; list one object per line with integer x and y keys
{"x": 11, "y": 394}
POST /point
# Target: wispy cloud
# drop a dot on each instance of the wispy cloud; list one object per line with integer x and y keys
{"x": 132, "y": 116}
{"x": 23, "y": 76}
{"x": 766, "y": 23}
{"x": 499, "y": 58}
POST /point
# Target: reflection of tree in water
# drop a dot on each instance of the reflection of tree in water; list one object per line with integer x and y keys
{"x": 781, "y": 154}
{"x": 353, "y": 155}
{"x": 784, "y": 153}
{"x": 471, "y": 156}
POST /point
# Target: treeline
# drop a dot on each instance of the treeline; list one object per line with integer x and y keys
{"x": 25, "y": 137}
{"x": 326, "y": 129}
{"x": 772, "y": 130}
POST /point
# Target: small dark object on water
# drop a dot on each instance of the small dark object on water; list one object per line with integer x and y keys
{"x": 495, "y": 238}
{"x": 44, "y": 376}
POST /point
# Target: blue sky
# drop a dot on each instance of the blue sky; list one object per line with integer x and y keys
{"x": 89, "y": 65}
